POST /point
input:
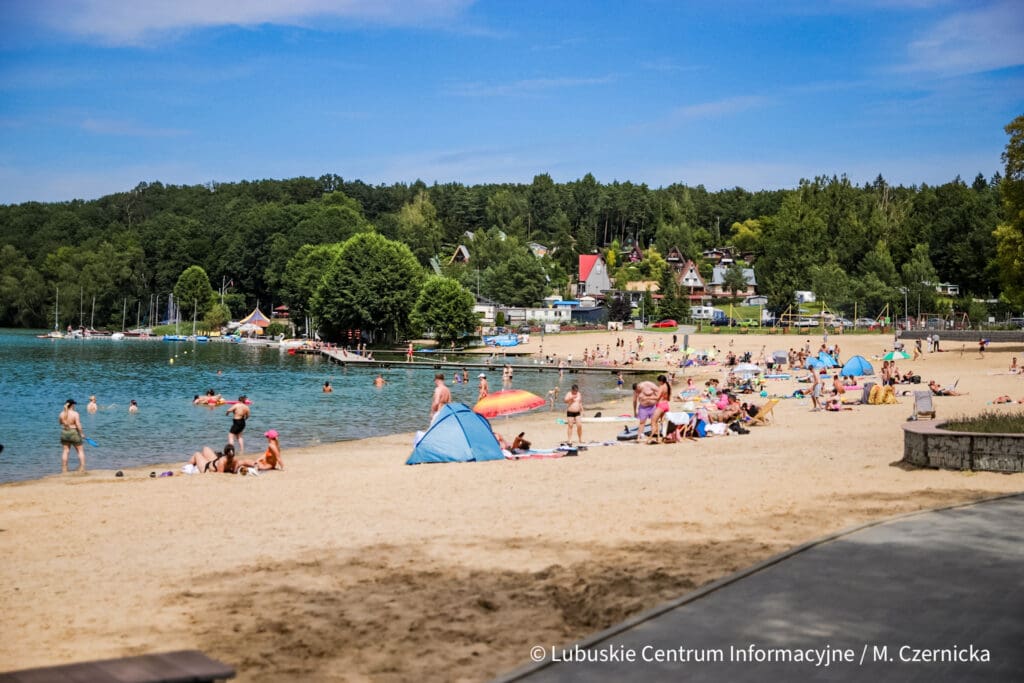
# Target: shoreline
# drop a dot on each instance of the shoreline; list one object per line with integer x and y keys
{"x": 352, "y": 564}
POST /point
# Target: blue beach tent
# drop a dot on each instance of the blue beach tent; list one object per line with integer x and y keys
{"x": 457, "y": 435}
{"x": 827, "y": 360}
{"x": 857, "y": 367}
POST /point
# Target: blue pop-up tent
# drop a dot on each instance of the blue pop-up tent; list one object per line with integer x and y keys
{"x": 457, "y": 435}
{"x": 827, "y": 360}
{"x": 857, "y": 366}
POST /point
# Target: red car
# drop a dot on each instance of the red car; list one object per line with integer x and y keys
{"x": 665, "y": 323}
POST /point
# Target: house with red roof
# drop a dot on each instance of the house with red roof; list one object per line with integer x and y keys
{"x": 593, "y": 276}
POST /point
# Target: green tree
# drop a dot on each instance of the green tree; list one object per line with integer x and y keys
{"x": 446, "y": 307}
{"x": 1010, "y": 234}
{"x": 216, "y": 317}
{"x": 746, "y": 236}
{"x": 420, "y": 229}
{"x": 619, "y": 308}
{"x": 303, "y": 274}
{"x": 919, "y": 278}
{"x": 193, "y": 292}
{"x": 734, "y": 279}
{"x": 372, "y": 286}
{"x": 519, "y": 280}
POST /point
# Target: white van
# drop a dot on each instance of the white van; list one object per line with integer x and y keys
{"x": 706, "y": 312}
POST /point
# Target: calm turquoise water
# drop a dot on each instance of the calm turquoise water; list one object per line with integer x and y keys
{"x": 38, "y": 375}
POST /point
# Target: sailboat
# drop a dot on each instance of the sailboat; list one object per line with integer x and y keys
{"x": 56, "y": 333}
{"x": 175, "y": 313}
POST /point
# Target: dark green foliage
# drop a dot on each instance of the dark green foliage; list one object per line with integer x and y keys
{"x": 445, "y": 307}
{"x": 372, "y": 285}
{"x": 989, "y": 422}
{"x": 858, "y": 245}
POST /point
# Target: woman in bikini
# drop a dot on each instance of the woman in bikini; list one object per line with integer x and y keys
{"x": 208, "y": 461}
{"x": 271, "y": 459}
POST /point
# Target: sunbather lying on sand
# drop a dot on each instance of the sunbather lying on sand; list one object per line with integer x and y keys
{"x": 208, "y": 461}
{"x": 939, "y": 391}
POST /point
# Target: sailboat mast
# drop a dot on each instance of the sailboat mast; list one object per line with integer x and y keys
{"x": 81, "y": 306}
{"x": 124, "y": 313}
{"x": 92, "y": 316}
{"x": 56, "y": 311}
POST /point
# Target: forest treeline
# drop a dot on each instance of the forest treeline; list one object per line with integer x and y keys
{"x": 847, "y": 242}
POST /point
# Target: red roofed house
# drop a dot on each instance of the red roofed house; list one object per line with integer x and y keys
{"x": 593, "y": 276}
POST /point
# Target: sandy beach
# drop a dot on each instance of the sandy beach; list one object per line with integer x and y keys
{"x": 351, "y": 566}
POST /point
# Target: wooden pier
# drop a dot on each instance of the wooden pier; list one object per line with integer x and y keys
{"x": 348, "y": 359}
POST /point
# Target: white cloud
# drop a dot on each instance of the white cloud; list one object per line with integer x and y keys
{"x": 530, "y": 86}
{"x": 703, "y": 110}
{"x": 117, "y": 22}
{"x": 970, "y": 42}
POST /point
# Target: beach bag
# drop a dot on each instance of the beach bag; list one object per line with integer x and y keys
{"x": 702, "y": 428}
{"x": 875, "y": 397}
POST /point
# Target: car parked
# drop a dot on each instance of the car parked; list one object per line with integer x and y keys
{"x": 749, "y": 322}
{"x": 723, "y": 321}
{"x": 869, "y": 323}
{"x": 668, "y": 322}
{"x": 805, "y": 322}
{"x": 836, "y": 322}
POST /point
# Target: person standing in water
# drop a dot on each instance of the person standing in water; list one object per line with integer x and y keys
{"x": 92, "y": 407}
{"x": 71, "y": 434}
{"x": 239, "y": 414}
{"x": 442, "y": 396}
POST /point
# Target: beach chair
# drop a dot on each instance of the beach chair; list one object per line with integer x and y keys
{"x": 764, "y": 412}
{"x": 923, "y": 407}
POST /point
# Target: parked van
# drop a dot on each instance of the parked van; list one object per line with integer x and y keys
{"x": 706, "y": 313}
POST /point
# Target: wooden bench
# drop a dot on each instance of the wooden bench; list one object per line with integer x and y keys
{"x": 183, "y": 666}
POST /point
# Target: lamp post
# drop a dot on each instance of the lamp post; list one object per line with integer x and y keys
{"x": 906, "y": 317}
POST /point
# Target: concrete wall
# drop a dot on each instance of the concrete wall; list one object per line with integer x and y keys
{"x": 925, "y": 445}
{"x": 961, "y": 336}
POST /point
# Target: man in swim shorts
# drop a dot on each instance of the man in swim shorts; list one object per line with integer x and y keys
{"x": 645, "y": 401}
{"x": 442, "y": 396}
{"x": 239, "y": 414}
{"x": 573, "y": 410}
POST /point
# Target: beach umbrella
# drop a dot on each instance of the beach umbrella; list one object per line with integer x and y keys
{"x": 896, "y": 355}
{"x": 508, "y": 402}
{"x": 857, "y": 367}
{"x": 747, "y": 369}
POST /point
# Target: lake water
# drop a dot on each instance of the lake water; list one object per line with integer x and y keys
{"x": 38, "y": 375}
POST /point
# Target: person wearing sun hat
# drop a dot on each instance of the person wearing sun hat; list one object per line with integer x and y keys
{"x": 483, "y": 388}
{"x": 271, "y": 459}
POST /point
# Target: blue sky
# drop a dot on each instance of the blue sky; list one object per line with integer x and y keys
{"x": 99, "y": 95}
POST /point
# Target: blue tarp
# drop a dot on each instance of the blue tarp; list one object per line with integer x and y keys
{"x": 857, "y": 367}
{"x": 457, "y": 435}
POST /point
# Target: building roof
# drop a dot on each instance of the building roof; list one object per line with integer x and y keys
{"x": 587, "y": 263}
{"x": 718, "y": 276}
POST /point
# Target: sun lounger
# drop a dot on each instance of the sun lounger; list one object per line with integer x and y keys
{"x": 183, "y": 665}
{"x": 923, "y": 407}
{"x": 764, "y": 412}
